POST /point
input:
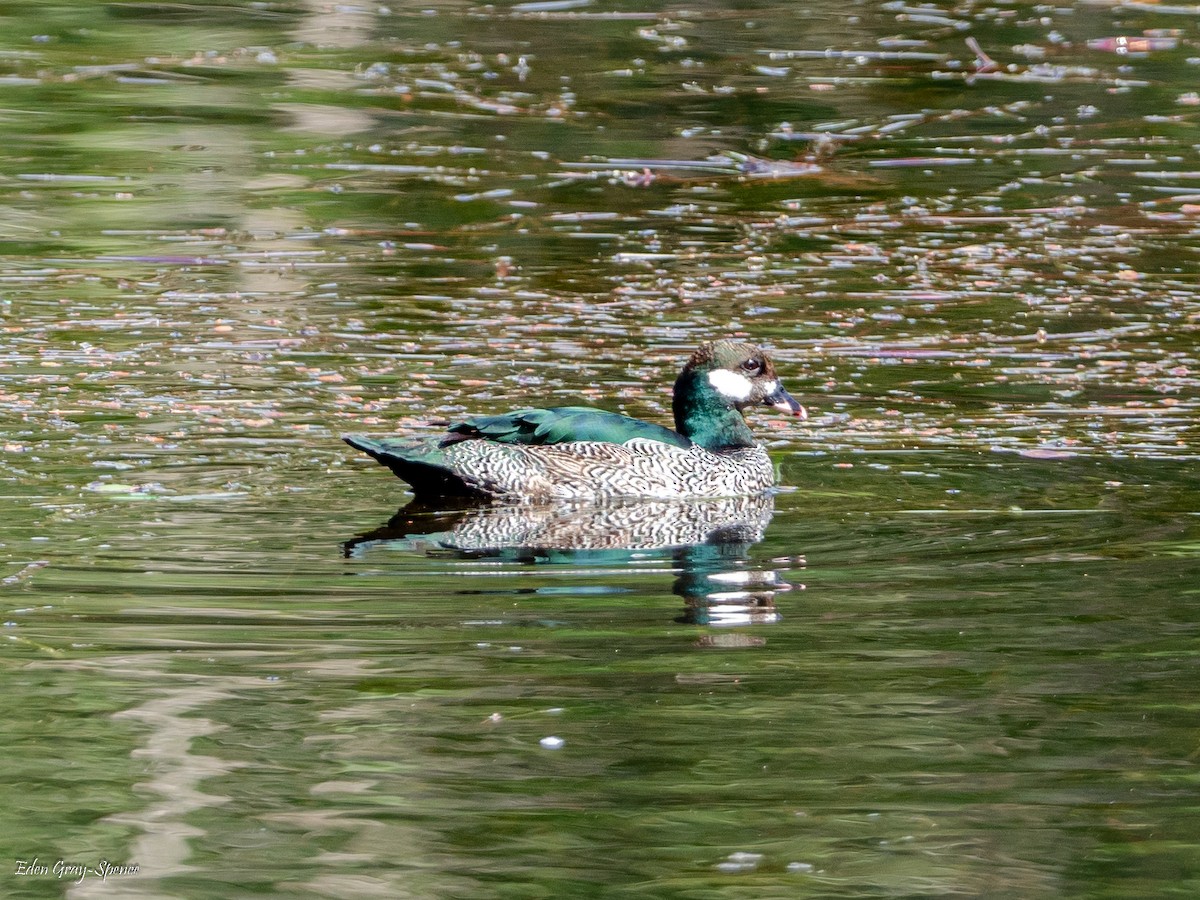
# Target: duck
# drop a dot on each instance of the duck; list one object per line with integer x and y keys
{"x": 578, "y": 453}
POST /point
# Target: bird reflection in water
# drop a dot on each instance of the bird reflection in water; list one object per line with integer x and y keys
{"x": 707, "y": 542}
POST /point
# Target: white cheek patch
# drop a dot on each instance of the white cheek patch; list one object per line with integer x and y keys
{"x": 731, "y": 384}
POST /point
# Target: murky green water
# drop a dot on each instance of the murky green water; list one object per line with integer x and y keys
{"x": 956, "y": 656}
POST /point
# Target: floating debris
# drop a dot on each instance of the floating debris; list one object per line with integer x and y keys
{"x": 1135, "y": 46}
{"x": 550, "y": 6}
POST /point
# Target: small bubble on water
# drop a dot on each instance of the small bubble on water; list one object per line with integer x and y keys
{"x": 552, "y": 743}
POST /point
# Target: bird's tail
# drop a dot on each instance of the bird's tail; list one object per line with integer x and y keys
{"x": 419, "y": 461}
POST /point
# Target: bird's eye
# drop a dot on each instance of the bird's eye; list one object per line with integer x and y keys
{"x": 752, "y": 366}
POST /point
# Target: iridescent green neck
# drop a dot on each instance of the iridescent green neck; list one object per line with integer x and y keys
{"x": 706, "y": 417}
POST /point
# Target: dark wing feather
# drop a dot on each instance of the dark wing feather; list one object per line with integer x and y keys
{"x": 561, "y": 425}
{"x": 421, "y": 463}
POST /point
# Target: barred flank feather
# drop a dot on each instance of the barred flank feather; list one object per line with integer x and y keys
{"x": 584, "y": 470}
{"x": 589, "y": 469}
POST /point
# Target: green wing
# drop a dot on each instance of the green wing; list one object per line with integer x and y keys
{"x": 561, "y": 425}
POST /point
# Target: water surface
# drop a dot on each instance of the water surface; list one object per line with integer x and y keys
{"x": 953, "y": 657}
